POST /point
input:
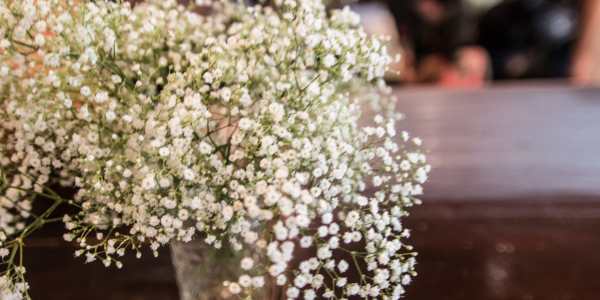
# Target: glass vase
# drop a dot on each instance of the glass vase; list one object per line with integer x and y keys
{"x": 201, "y": 271}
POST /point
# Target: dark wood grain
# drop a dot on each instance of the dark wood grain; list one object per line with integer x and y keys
{"x": 499, "y": 251}
{"x": 512, "y": 209}
{"x": 509, "y": 142}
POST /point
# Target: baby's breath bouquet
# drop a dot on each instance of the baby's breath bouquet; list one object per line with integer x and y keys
{"x": 231, "y": 124}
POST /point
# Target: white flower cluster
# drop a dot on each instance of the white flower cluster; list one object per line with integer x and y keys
{"x": 239, "y": 127}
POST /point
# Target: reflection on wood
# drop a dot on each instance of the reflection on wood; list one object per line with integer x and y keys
{"x": 512, "y": 212}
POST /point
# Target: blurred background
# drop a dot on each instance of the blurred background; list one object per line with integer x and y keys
{"x": 470, "y": 42}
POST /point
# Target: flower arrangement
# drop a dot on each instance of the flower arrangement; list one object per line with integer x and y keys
{"x": 240, "y": 127}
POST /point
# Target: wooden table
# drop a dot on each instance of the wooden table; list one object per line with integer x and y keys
{"x": 512, "y": 209}
{"x": 513, "y": 205}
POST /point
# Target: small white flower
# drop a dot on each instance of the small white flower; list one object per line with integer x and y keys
{"x": 329, "y": 60}
{"x": 85, "y": 91}
{"x": 164, "y": 151}
{"x": 227, "y": 213}
{"x": 306, "y": 242}
{"x": 343, "y": 266}
{"x": 205, "y": 148}
{"x": 235, "y": 288}
{"x": 149, "y": 182}
{"x": 100, "y": 97}
{"x": 4, "y": 252}
{"x": 110, "y": 116}
{"x": 277, "y": 111}
{"x": 245, "y": 124}
{"x": 247, "y": 263}
{"x": 258, "y": 281}
{"x": 189, "y": 174}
